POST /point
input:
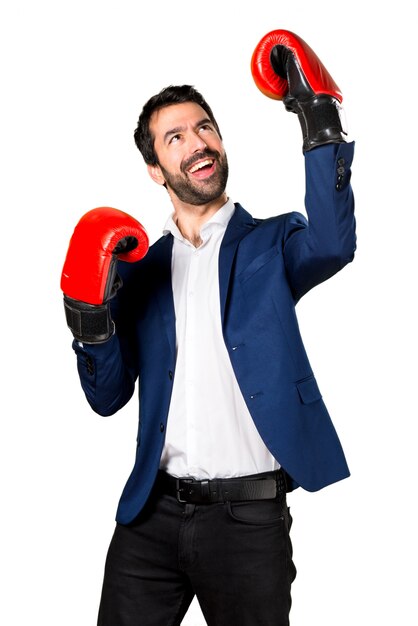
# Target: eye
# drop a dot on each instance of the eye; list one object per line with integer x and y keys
{"x": 205, "y": 127}
{"x": 175, "y": 138}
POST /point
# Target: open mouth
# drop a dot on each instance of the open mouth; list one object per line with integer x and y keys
{"x": 203, "y": 169}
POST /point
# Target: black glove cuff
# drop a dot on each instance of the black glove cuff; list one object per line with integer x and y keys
{"x": 89, "y": 323}
{"x": 320, "y": 118}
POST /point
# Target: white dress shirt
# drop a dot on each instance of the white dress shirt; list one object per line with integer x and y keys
{"x": 210, "y": 433}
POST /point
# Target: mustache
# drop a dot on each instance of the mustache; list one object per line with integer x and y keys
{"x": 212, "y": 154}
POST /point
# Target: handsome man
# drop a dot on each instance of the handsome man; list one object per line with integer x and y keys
{"x": 231, "y": 417}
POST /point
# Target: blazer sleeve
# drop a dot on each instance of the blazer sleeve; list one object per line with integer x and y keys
{"x": 318, "y": 247}
{"x": 107, "y": 382}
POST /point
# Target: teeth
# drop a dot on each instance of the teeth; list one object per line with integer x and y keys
{"x": 199, "y": 166}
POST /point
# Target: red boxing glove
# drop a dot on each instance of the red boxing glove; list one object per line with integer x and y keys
{"x": 285, "y": 68}
{"x": 89, "y": 279}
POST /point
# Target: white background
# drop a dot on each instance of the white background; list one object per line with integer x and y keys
{"x": 74, "y": 78}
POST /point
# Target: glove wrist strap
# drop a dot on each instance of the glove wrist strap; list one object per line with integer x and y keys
{"x": 89, "y": 323}
{"x": 321, "y": 120}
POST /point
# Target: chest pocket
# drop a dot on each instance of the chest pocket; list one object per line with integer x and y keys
{"x": 258, "y": 263}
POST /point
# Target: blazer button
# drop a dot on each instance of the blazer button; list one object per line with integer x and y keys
{"x": 162, "y": 427}
{"x": 339, "y": 184}
{"x": 170, "y": 375}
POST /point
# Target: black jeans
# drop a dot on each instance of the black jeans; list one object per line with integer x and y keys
{"x": 236, "y": 557}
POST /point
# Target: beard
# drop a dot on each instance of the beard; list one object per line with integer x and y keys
{"x": 202, "y": 191}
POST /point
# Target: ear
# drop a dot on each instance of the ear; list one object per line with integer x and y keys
{"x": 156, "y": 174}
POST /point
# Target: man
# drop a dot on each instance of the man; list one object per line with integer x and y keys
{"x": 231, "y": 417}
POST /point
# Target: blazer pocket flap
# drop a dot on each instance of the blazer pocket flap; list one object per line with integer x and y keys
{"x": 308, "y": 390}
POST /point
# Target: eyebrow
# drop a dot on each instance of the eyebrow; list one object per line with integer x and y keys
{"x": 178, "y": 129}
{"x": 172, "y": 131}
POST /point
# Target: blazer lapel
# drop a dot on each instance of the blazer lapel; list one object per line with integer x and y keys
{"x": 164, "y": 293}
{"x": 239, "y": 225}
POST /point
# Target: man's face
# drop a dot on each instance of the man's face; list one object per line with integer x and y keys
{"x": 191, "y": 158}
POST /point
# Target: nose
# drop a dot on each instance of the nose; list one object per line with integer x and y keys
{"x": 196, "y": 143}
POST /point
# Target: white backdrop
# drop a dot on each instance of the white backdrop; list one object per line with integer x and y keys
{"x": 74, "y": 78}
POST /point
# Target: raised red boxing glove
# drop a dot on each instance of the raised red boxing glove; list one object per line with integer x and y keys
{"x": 89, "y": 278}
{"x": 285, "y": 68}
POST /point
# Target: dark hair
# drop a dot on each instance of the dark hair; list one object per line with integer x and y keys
{"x": 174, "y": 94}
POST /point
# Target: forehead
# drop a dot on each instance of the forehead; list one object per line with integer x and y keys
{"x": 174, "y": 116}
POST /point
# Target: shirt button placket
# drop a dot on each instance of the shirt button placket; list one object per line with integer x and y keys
{"x": 192, "y": 348}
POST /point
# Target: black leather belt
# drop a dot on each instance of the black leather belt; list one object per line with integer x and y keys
{"x": 265, "y": 486}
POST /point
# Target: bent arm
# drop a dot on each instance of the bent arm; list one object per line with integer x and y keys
{"x": 317, "y": 248}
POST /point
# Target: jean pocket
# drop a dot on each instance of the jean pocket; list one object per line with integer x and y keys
{"x": 258, "y": 512}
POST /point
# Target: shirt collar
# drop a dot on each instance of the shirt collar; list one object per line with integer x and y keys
{"x": 221, "y": 218}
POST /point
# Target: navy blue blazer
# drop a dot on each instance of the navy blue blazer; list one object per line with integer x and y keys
{"x": 265, "y": 267}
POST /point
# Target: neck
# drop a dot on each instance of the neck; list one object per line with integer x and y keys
{"x": 190, "y": 218}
